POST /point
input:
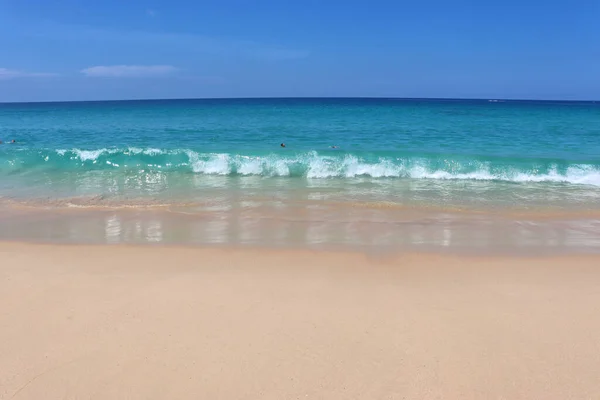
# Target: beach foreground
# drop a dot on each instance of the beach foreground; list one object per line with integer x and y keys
{"x": 112, "y": 322}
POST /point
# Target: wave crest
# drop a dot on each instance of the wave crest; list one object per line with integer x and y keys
{"x": 309, "y": 165}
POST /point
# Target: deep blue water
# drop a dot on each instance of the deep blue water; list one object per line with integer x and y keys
{"x": 465, "y": 152}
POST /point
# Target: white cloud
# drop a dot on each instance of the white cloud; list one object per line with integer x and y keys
{"x": 6, "y": 73}
{"x": 128, "y": 71}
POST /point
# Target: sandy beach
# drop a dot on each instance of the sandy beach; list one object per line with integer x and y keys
{"x": 126, "y": 322}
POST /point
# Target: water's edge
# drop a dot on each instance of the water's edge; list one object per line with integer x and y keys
{"x": 363, "y": 230}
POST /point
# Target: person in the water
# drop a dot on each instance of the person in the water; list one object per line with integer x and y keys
{"x": 282, "y": 144}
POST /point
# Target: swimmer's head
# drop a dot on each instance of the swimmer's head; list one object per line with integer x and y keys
{"x": 282, "y": 144}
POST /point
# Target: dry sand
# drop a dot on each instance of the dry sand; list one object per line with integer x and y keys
{"x": 83, "y": 322}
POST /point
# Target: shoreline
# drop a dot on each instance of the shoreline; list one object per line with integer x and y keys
{"x": 319, "y": 228}
{"x": 98, "y": 203}
{"x": 383, "y": 257}
{"x": 138, "y": 322}
{"x": 369, "y": 252}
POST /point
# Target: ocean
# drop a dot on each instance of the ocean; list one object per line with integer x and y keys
{"x": 380, "y": 160}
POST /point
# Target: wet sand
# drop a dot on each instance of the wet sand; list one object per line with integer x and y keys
{"x": 116, "y": 322}
{"x": 358, "y": 228}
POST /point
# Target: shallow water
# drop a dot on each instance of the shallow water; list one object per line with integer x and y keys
{"x": 383, "y": 159}
{"x": 507, "y": 154}
{"x": 314, "y": 227}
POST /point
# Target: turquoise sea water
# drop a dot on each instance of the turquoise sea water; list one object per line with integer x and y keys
{"x": 439, "y": 153}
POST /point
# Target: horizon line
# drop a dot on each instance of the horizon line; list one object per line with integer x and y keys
{"x": 493, "y": 100}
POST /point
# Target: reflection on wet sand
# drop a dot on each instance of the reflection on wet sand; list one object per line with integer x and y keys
{"x": 300, "y": 226}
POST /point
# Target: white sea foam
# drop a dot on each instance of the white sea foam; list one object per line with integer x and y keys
{"x": 264, "y": 166}
{"x": 575, "y": 174}
{"x": 250, "y": 166}
{"x": 352, "y": 167}
{"x": 322, "y": 166}
{"x": 149, "y": 151}
{"x": 88, "y": 155}
{"x": 213, "y": 164}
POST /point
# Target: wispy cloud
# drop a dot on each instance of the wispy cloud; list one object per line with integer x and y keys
{"x": 128, "y": 71}
{"x": 151, "y": 13}
{"x": 6, "y": 73}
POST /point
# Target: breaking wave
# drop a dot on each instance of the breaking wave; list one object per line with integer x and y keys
{"x": 309, "y": 165}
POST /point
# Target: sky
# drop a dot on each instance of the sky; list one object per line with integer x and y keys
{"x": 73, "y": 50}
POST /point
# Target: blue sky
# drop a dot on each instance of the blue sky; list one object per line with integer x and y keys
{"x": 135, "y": 49}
